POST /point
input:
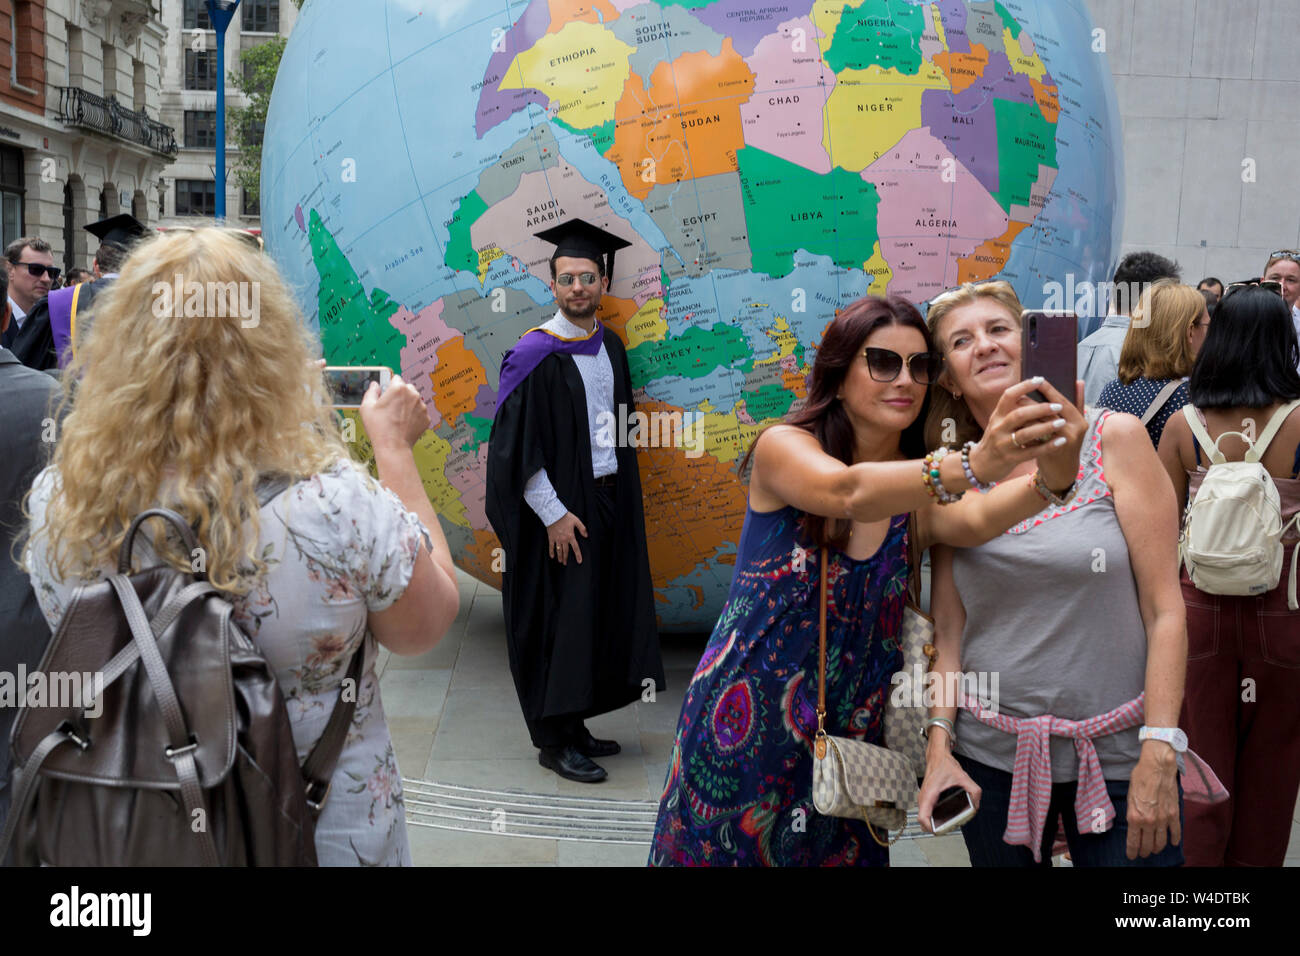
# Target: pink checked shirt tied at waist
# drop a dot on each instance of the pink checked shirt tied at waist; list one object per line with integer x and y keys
{"x": 1031, "y": 778}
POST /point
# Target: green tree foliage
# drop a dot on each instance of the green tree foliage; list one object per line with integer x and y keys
{"x": 255, "y": 78}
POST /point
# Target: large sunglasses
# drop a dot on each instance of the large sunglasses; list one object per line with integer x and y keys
{"x": 885, "y": 364}
{"x": 36, "y": 270}
{"x": 1285, "y": 254}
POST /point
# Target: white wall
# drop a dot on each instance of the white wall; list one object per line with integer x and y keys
{"x": 1204, "y": 85}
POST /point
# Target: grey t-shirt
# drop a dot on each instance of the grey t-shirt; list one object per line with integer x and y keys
{"x": 1052, "y": 610}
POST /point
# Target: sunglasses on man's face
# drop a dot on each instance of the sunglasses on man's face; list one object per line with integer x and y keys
{"x": 885, "y": 364}
{"x": 36, "y": 270}
{"x": 565, "y": 279}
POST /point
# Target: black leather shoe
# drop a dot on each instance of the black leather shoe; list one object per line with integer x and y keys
{"x": 569, "y": 763}
{"x": 589, "y": 746}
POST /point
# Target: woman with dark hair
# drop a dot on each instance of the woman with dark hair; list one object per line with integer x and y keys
{"x": 835, "y": 479}
{"x": 1245, "y": 378}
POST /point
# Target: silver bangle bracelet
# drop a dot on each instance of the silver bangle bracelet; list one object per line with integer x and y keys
{"x": 942, "y": 722}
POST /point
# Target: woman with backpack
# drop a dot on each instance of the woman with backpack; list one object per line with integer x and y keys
{"x": 1168, "y": 329}
{"x": 192, "y": 413}
{"x": 1242, "y": 704}
{"x": 1085, "y": 633}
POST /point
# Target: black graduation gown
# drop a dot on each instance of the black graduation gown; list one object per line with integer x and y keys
{"x": 34, "y": 346}
{"x": 563, "y": 658}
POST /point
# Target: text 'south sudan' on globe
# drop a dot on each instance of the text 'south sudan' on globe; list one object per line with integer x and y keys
{"x": 769, "y": 162}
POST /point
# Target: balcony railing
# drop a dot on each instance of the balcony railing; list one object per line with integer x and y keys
{"x": 80, "y": 108}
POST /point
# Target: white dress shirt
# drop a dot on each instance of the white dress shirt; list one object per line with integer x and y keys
{"x": 598, "y": 382}
{"x": 17, "y": 313}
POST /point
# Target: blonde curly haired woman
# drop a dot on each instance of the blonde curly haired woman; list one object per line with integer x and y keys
{"x": 187, "y": 411}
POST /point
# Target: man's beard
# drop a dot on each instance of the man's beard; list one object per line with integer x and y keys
{"x": 585, "y": 312}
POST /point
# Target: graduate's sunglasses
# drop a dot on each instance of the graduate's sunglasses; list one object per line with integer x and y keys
{"x": 588, "y": 278}
{"x": 885, "y": 364}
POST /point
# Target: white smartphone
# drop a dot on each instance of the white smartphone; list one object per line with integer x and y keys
{"x": 951, "y": 810}
{"x": 347, "y": 384}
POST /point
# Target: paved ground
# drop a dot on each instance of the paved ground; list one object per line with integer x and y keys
{"x": 475, "y": 794}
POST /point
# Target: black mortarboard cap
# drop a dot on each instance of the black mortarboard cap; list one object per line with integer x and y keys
{"x": 123, "y": 229}
{"x": 580, "y": 239}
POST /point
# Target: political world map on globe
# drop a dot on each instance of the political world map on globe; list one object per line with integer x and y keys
{"x": 768, "y": 161}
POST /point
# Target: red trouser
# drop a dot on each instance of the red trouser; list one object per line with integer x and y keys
{"x": 1241, "y": 712}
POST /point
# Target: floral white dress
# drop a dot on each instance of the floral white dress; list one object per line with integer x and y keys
{"x": 338, "y": 546}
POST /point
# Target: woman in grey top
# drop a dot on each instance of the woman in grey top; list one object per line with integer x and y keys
{"x": 1061, "y": 620}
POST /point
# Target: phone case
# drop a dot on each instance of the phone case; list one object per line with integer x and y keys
{"x": 1049, "y": 347}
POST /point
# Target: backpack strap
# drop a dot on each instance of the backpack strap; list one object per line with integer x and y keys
{"x": 319, "y": 768}
{"x": 1202, "y": 436}
{"x": 24, "y": 785}
{"x": 181, "y": 743}
{"x": 1271, "y": 429}
{"x": 1161, "y": 399}
{"x": 1255, "y": 448}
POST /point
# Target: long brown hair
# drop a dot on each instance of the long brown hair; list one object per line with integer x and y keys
{"x": 822, "y": 414}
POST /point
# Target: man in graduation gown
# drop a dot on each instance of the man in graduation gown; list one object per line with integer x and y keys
{"x": 45, "y": 341}
{"x": 564, "y": 497}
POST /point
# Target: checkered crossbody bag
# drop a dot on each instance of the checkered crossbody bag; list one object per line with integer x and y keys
{"x": 852, "y": 778}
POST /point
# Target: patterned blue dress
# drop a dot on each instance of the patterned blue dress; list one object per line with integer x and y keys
{"x": 739, "y": 787}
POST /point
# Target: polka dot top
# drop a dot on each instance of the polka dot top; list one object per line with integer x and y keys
{"x": 1137, "y": 396}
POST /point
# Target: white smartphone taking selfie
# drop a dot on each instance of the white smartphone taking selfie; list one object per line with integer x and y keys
{"x": 347, "y": 384}
{"x": 951, "y": 810}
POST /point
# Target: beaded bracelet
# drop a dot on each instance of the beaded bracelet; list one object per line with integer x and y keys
{"x": 1048, "y": 494}
{"x": 930, "y": 475}
{"x": 975, "y": 483}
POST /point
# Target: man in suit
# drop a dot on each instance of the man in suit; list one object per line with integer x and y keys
{"x": 30, "y": 273}
{"x": 45, "y": 341}
{"x": 27, "y": 397}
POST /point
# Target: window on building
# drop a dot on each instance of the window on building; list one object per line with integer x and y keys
{"x": 12, "y": 190}
{"x": 201, "y": 70}
{"x": 201, "y": 128}
{"x": 13, "y": 51}
{"x": 252, "y": 207}
{"x": 195, "y": 197}
{"x": 196, "y": 15}
{"x": 261, "y": 16}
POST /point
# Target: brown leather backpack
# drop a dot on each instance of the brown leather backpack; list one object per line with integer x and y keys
{"x": 191, "y": 761}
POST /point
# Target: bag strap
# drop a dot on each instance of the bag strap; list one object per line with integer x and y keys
{"x": 318, "y": 771}
{"x": 1256, "y": 448}
{"x": 820, "y": 746}
{"x": 1202, "y": 436}
{"x": 24, "y": 785}
{"x": 1161, "y": 399}
{"x": 1271, "y": 429}
{"x": 182, "y": 744}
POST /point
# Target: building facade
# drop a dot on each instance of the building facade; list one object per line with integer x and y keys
{"x": 189, "y": 101}
{"x": 79, "y": 134}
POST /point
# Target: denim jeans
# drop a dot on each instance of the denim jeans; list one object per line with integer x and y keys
{"x": 983, "y": 833}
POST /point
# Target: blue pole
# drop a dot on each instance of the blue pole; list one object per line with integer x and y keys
{"x": 220, "y": 13}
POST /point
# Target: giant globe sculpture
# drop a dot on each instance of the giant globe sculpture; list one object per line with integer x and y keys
{"x": 768, "y": 163}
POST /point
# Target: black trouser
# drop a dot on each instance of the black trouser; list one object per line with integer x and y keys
{"x": 560, "y": 730}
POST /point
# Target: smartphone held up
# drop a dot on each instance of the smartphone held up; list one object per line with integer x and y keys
{"x": 348, "y": 384}
{"x": 1049, "y": 347}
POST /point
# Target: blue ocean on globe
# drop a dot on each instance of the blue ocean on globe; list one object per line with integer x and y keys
{"x": 768, "y": 162}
